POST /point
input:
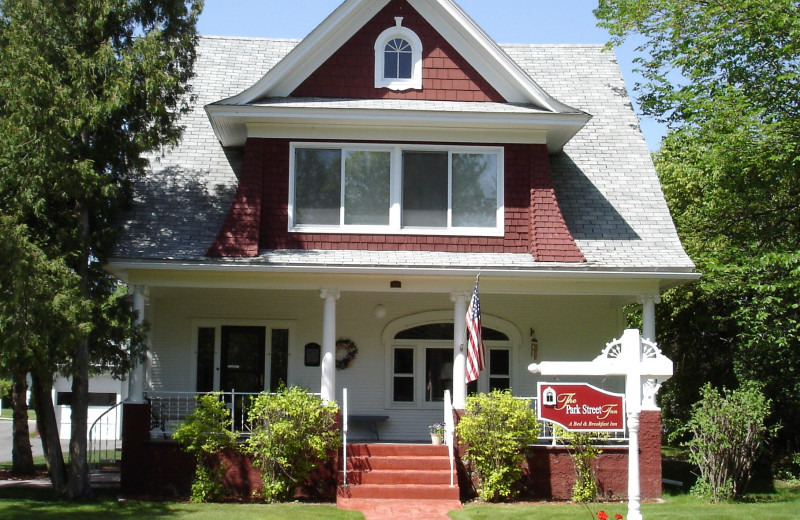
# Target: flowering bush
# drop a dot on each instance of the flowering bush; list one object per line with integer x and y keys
{"x": 602, "y": 515}
{"x": 436, "y": 428}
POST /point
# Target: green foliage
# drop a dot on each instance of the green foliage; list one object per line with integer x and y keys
{"x": 88, "y": 88}
{"x": 206, "y": 431}
{"x": 292, "y": 431}
{"x": 495, "y": 428}
{"x": 725, "y": 76}
{"x": 5, "y": 388}
{"x": 583, "y": 450}
{"x": 728, "y": 434}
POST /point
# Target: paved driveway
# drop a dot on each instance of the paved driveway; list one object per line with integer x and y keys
{"x": 6, "y": 433}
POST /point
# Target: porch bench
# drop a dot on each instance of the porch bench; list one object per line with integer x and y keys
{"x": 369, "y": 422}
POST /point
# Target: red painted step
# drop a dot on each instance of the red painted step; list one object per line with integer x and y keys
{"x": 397, "y": 471}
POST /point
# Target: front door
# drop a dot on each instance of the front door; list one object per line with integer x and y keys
{"x": 242, "y": 359}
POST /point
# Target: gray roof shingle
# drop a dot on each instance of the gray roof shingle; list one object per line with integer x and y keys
{"x": 605, "y": 181}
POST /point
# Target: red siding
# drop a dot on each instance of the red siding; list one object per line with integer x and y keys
{"x": 551, "y": 240}
{"x": 239, "y": 234}
{"x": 350, "y": 71}
{"x": 533, "y": 220}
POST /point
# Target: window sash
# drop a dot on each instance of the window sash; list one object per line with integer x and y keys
{"x": 392, "y": 190}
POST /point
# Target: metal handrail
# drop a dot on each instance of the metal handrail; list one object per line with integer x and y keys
{"x": 344, "y": 437}
{"x": 95, "y": 455}
{"x": 449, "y": 431}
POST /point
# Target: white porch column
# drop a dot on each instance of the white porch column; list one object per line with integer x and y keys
{"x": 649, "y": 386}
{"x": 459, "y": 350}
{"x": 136, "y": 375}
{"x": 328, "y": 362}
{"x": 648, "y": 303}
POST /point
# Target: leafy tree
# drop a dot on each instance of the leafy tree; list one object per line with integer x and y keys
{"x": 725, "y": 76}
{"x": 40, "y": 307}
{"x": 87, "y": 89}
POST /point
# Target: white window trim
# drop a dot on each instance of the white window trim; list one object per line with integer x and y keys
{"x": 396, "y": 190}
{"x": 217, "y": 325}
{"x": 392, "y": 329}
{"x": 398, "y": 31}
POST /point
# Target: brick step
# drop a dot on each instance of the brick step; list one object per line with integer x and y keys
{"x": 389, "y": 477}
{"x": 400, "y": 491}
{"x": 390, "y": 450}
{"x": 397, "y": 463}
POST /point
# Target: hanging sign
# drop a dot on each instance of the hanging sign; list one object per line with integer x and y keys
{"x": 581, "y": 407}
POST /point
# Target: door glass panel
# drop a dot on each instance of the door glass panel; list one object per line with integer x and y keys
{"x": 499, "y": 369}
{"x": 403, "y": 380}
{"x": 279, "y": 359}
{"x": 438, "y": 373}
{"x": 205, "y": 359}
{"x": 242, "y": 359}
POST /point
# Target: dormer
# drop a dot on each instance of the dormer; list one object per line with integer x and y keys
{"x": 398, "y": 58}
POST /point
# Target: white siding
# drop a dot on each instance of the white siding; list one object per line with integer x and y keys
{"x": 568, "y": 328}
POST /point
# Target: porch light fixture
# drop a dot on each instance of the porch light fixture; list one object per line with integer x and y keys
{"x": 380, "y": 311}
{"x": 534, "y": 345}
{"x": 312, "y": 354}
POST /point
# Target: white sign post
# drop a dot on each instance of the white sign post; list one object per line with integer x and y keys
{"x": 642, "y": 364}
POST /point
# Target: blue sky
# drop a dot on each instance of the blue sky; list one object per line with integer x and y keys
{"x": 506, "y": 21}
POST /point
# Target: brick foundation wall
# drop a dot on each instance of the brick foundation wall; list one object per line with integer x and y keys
{"x": 550, "y": 474}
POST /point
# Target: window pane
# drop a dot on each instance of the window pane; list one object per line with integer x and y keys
{"x": 499, "y": 383}
{"x": 279, "y": 359}
{"x": 474, "y": 190}
{"x": 367, "y": 187}
{"x": 403, "y": 389}
{"x": 205, "y": 359}
{"x": 317, "y": 186}
{"x": 499, "y": 362}
{"x": 403, "y": 361}
{"x": 425, "y": 189}
{"x": 390, "y": 61}
{"x": 438, "y": 373}
{"x": 404, "y": 65}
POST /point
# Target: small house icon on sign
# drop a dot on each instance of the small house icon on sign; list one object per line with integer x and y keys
{"x": 549, "y": 396}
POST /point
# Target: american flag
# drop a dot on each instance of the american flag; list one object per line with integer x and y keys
{"x": 475, "y": 351}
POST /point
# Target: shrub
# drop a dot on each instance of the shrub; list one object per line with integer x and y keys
{"x": 291, "y": 432}
{"x": 495, "y": 427}
{"x": 205, "y": 432}
{"x": 583, "y": 450}
{"x": 728, "y": 433}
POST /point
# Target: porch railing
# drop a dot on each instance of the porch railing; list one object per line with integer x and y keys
{"x": 169, "y": 409}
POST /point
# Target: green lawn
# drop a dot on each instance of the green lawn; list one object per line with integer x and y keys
{"x": 36, "y": 504}
{"x": 7, "y": 411}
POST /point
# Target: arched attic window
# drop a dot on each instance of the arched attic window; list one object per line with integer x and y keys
{"x": 398, "y": 58}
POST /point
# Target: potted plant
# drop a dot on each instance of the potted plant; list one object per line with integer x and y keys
{"x": 437, "y": 433}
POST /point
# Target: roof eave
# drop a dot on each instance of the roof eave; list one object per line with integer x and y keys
{"x": 234, "y": 124}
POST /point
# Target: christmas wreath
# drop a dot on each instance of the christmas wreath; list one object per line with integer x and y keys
{"x": 351, "y": 349}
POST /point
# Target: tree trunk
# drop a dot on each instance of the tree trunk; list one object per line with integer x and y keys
{"x": 21, "y": 454}
{"x": 48, "y": 431}
{"x": 78, "y": 484}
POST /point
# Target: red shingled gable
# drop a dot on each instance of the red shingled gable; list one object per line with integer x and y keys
{"x": 350, "y": 71}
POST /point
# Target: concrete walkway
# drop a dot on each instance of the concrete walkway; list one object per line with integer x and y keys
{"x": 379, "y": 509}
